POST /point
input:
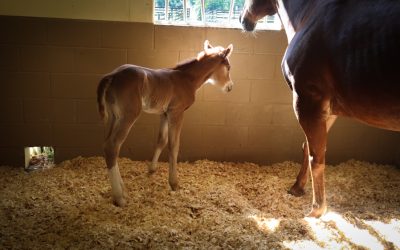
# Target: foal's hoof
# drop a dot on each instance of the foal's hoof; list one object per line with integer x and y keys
{"x": 296, "y": 191}
{"x": 121, "y": 202}
{"x": 174, "y": 187}
{"x": 151, "y": 169}
{"x": 317, "y": 212}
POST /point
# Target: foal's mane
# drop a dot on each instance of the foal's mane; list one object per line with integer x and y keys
{"x": 185, "y": 64}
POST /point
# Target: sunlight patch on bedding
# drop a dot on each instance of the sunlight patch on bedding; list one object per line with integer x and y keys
{"x": 389, "y": 231}
{"x": 302, "y": 244}
{"x": 328, "y": 236}
{"x": 358, "y": 236}
{"x": 271, "y": 224}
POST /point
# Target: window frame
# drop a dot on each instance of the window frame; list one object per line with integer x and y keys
{"x": 276, "y": 25}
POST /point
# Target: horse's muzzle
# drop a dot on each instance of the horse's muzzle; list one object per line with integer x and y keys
{"x": 246, "y": 23}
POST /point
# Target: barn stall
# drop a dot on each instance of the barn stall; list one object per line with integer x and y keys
{"x": 220, "y": 205}
{"x": 50, "y": 66}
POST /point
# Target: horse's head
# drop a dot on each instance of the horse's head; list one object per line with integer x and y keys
{"x": 220, "y": 75}
{"x": 254, "y": 10}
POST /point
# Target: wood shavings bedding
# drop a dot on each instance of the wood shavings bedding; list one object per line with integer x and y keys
{"x": 219, "y": 206}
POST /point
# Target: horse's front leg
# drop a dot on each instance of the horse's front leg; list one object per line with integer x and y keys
{"x": 161, "y": 143}
{"x": 175, "y": 121}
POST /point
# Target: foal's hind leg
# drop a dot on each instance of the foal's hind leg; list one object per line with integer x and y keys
{"x": 174, "y": 130}
{"x": 162, "y": 141}
{"x": 298, "y": 187}
{"x": 112, "y": 146}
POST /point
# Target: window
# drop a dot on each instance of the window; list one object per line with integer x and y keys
{"x": 211, "y": 13}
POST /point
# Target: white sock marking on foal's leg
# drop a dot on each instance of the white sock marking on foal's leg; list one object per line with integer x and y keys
{"x": 116, "y": 186}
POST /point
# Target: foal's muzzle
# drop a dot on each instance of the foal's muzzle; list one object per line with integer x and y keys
{"x": 228, "y": 87}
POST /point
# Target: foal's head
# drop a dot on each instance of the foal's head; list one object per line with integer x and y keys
{"x": 220, "y": 76}
{"x": 254, "y": 10}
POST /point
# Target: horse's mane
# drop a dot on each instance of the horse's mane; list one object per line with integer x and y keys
{"x": 185, "y": 64}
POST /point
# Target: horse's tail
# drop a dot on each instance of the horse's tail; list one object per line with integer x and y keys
{"x": 101, "y": 96}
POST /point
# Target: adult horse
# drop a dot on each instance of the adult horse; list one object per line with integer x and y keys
{"x": 342, "y": 60}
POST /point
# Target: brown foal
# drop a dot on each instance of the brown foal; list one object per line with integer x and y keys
{"x": 129, "y": 89}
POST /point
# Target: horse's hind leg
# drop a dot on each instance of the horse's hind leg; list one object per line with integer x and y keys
{"x": 112, "y": 146}
{"x": 161, "y": 142}
{"x": 298, "y": 187}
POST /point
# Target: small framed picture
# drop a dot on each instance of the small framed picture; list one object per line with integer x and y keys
{"x": 38, "y": 158}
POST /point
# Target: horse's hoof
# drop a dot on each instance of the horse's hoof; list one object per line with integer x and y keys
{"x": 317, "y": 212}
{"x": 296, "y": 191}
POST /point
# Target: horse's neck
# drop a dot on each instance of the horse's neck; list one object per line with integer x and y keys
{"x": 292, "y": 14}
{"x": 199, "y": 71}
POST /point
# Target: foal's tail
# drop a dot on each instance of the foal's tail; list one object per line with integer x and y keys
{"x": 101, "y": 98}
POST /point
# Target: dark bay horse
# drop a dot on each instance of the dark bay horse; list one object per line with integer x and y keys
{"x": 342, "y": 60}
{"x": 130, "y": 89}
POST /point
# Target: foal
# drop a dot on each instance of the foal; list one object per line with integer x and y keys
{"x": 129, "y": 89}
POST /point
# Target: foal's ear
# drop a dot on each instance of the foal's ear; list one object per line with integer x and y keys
{"x": 207, "y": 45}
{"x": 228, "y": 51}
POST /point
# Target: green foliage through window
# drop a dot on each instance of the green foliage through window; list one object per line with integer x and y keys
{"x": 217, "y": 13}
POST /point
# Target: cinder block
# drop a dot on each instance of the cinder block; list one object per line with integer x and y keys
{"x": 99, "y": 60}
{"x": 223, "y": 136}
{"x": 127, "y": 35}
{"x": 249, "y": 66}
{"x": 20, "y": 135}
{"x": 246, "y": 114}
{"x": 283, "y": 114}
{"x": 87, "y": 111}
{"x": 261, "y": 66}
{"x": 22, "y": 30}
{"x": 64, "y": 111}
{"x": 73, "y": 33}
{"x": 213, "y": 113}
{"x": 38, "y": 110}
{"x": 191, "y": 154}
{"x": 74, "y": 85}
{"x": 262, "y": 155}
{"x": 242, "y": 42}
{"x": 191, "y": 137}
{"x": 270, "y": 91}
{"x": 214, "y": 153}
{"x": 272, "y": 137}
{"x": 31, "y": 85}
{"x": 53, "y": 59}
{"x": 9, "y": 58}
{"x": 185, "y": 55}
{"x": 148, "y": 119}
{"x": 11, "y": 110}
{"x": 153, "y": 59}
{"x": 67, "y": 153}
{"x": 184, "y": 38}
{"x": 193, "y": 115}
{"x": 68, "y": 135}
{"x": 141, "y": 136}
{"x": 12, "y": 156}
{"x": 137, "y": 152}
{"x": 239, "y": 94}
{"x": 270, "y": 41}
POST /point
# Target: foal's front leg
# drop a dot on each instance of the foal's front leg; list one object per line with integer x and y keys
{"x": 161, "y": 142}
{"x": 175, "y": 121}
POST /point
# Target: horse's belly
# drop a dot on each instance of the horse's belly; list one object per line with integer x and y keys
{"x": 381, "y": 115}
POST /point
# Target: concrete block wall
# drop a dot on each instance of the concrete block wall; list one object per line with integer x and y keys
{"x": 50, "y": 68}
